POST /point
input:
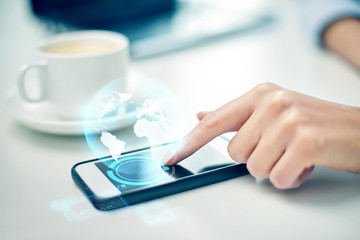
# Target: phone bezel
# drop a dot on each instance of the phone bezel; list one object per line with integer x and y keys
{"x": 98, "y": 183}
{"x": 105, "y": 200}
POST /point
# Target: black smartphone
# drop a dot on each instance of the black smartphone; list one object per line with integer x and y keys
{"x": 140, "y": 176}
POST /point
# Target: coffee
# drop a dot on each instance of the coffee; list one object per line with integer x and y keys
{"x": 82, "y": 47}
{"x": 73, "y": 67}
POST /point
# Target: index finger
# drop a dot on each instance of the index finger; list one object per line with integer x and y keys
{"x": 229, "y": 117}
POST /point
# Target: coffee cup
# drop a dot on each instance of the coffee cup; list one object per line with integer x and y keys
{"x": 73, "y": 66}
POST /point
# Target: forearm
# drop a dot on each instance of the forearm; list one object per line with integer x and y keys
{"x": 343, "y": 37}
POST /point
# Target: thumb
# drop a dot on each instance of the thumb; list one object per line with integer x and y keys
{"x": 201, "y": 115}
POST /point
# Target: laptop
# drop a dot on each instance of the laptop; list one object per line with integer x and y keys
{"x": 154, "y": 26}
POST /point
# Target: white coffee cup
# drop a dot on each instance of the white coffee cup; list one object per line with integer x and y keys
{"x": 73, "y": 67}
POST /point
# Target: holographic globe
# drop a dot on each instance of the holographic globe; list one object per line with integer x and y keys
{"x": 119, "y": 118}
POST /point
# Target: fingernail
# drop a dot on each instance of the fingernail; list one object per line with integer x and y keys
{"x": 169, "y": 162}
{"x": 168, "y": 157}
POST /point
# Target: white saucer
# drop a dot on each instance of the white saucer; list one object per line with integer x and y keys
{"x": 38, "y": 116}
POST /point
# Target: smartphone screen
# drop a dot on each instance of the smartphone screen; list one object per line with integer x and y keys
{"x": 140, "y": 175}
{"x": 144, "y": 168}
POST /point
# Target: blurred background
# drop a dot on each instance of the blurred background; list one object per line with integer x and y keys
{"x": 156, "y": 26}
{"x": 206, "y": 52}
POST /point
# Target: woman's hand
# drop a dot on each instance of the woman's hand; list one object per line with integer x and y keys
{"x": 281, "y": 134}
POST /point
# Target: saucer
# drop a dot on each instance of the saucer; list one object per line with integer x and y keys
{"x": 38, "y": 116}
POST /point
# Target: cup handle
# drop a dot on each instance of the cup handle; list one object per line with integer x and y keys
{"x": 22, "y": 77}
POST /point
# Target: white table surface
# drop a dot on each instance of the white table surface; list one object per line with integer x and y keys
{"x": 39, "y": 200}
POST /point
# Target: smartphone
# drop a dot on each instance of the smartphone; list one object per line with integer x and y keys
{"x": 139, "y": 176}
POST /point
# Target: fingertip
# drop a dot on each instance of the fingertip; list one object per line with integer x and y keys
{"x": 168, "y": 157}
{"x": 173, "y": 154}
{"x": 167, "y": 160}
{"x": 172, "y": 162}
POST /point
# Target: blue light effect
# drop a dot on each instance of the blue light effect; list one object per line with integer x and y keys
{"x": 143, "y": 111}
{"x": 166, "y": 168}
{"x": 137, "y": 170}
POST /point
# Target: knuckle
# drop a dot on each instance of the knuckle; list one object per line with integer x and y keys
{"x": 305, "y": 136}
{"x": 265, "y": 87}
{"x": 280, "y": 100}
{"x": 292, "y": 121}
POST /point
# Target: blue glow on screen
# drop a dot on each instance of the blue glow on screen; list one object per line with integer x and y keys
{"x": 135, "y": 171}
